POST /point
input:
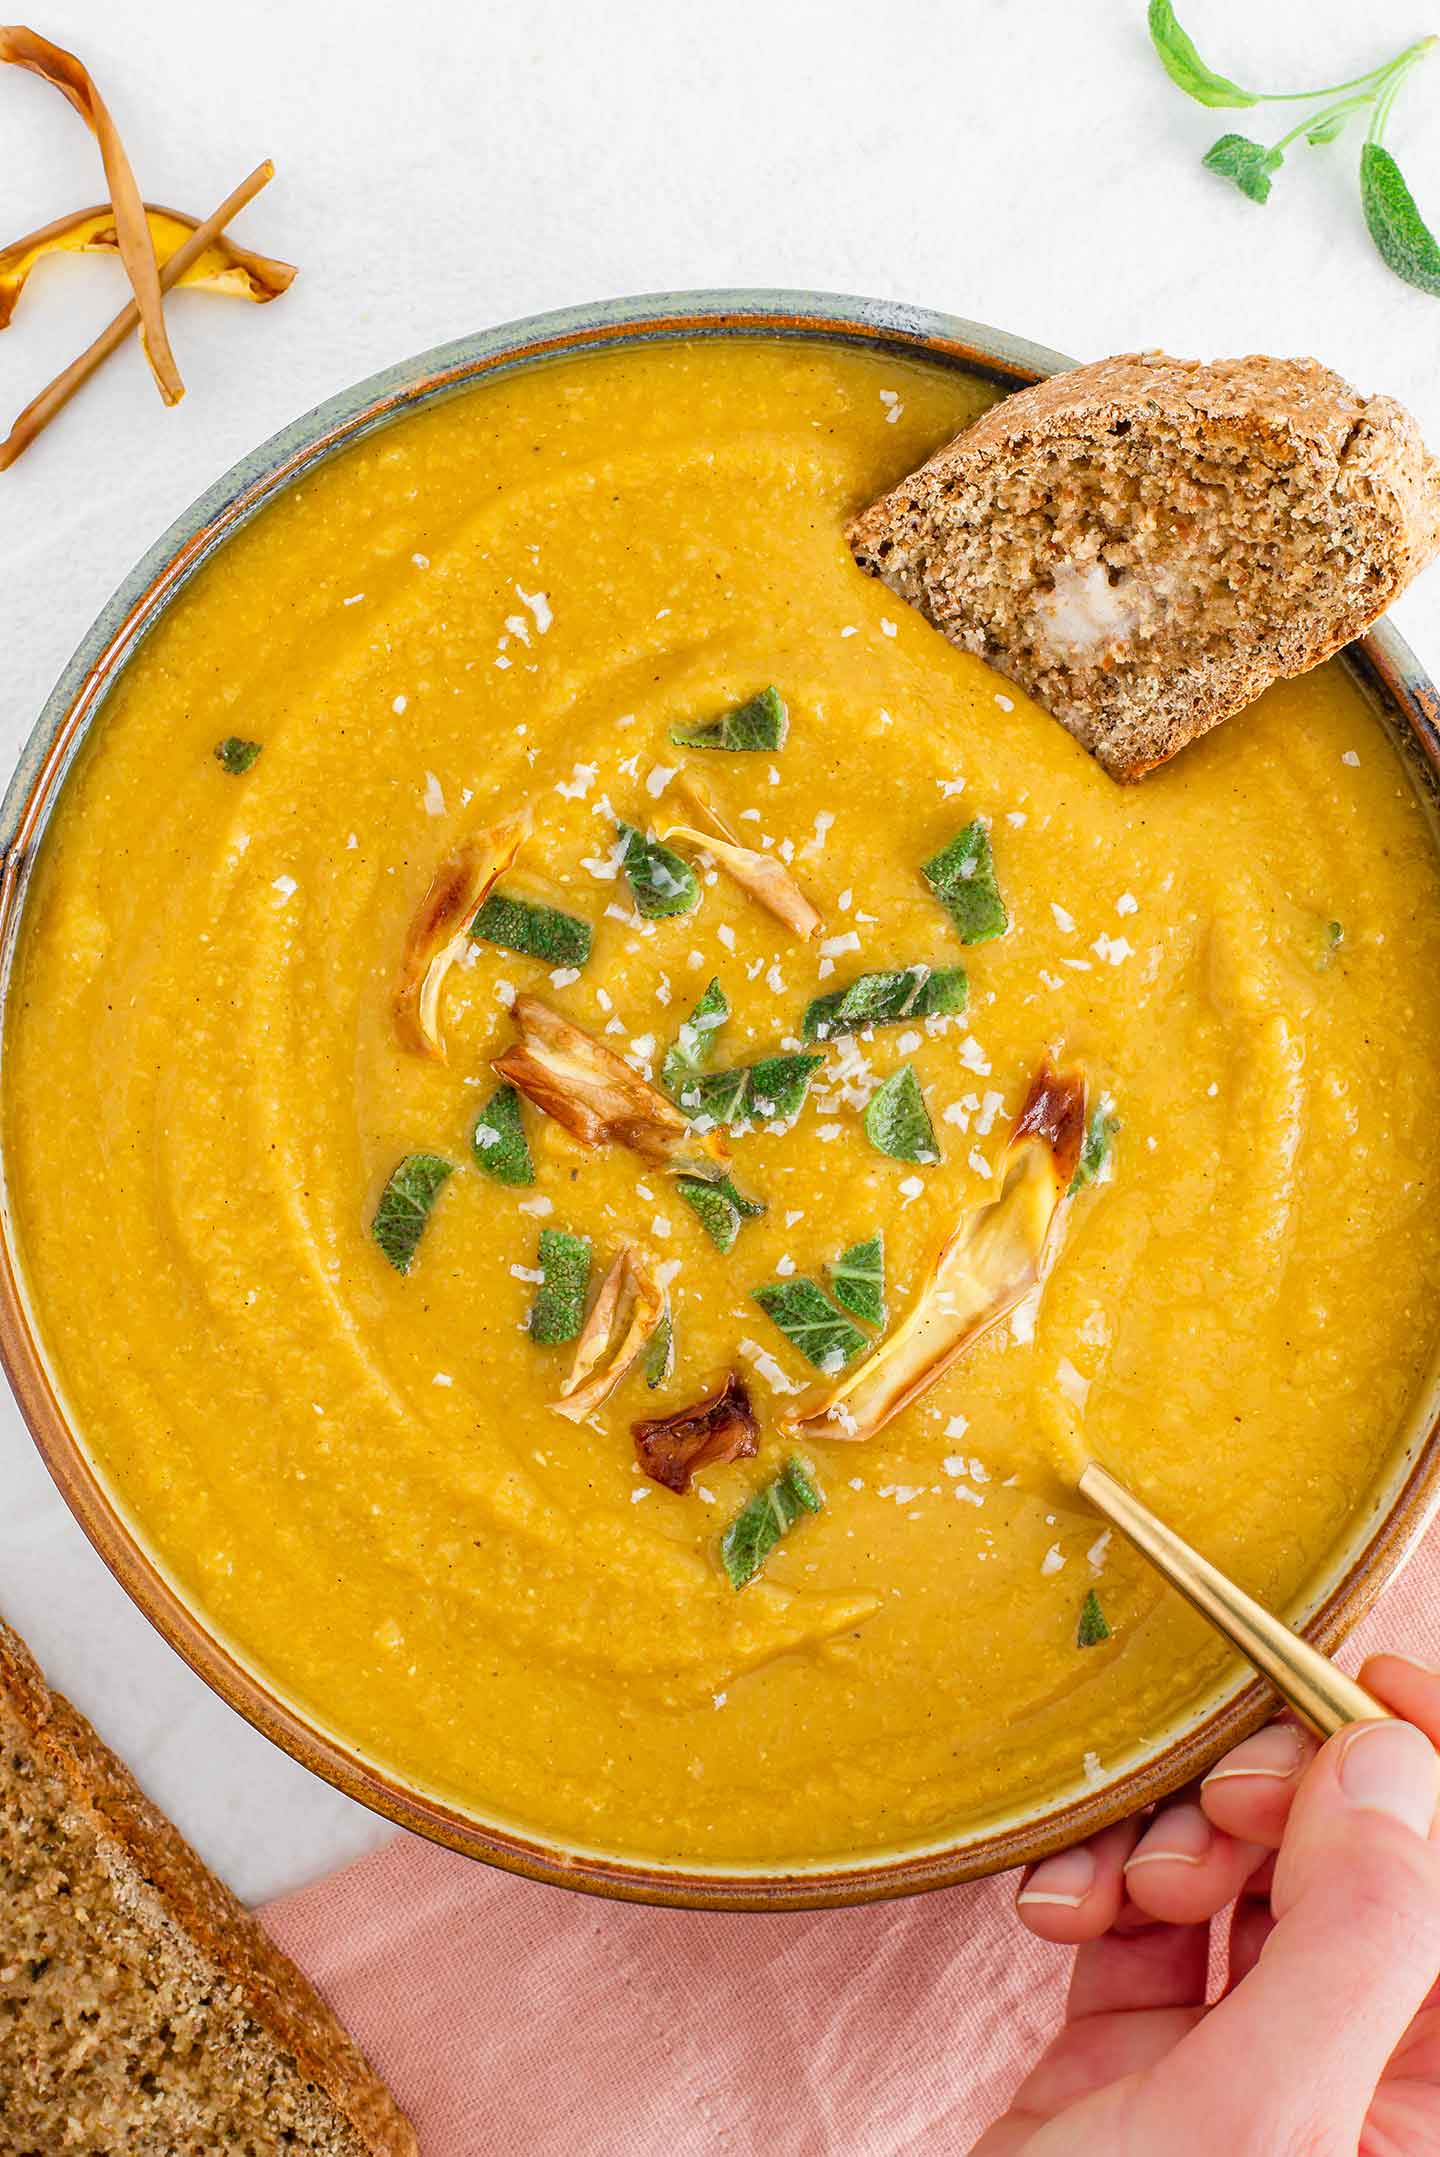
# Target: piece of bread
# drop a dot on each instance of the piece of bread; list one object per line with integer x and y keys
{"x": 143, "y": 2012}
{"x": 1146, "y": 543}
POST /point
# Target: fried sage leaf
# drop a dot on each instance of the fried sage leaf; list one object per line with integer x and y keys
{"x": 627, "y": 1313}
{"x": 884, "y": 999}
{"x": 404, "y": 1206}
{"x": 498, "y": 1140}
{"x": 661, "y": 882}
{"x": 991, "y": 1259}
{"x": 236, "y": 756}
{"x": 764, "y": 876}
{"x": 691, "y": 1049}
{"x": 810, "y": 1322}
{"x": 720, "y": 1428}
{"x": 857, "y": 1279}
{"x": 534, "y": 930}
{"x": 962, "y": 877}
{"x": 558, "y": 1311}
{"x": 770, "y": 1514}
{"x": 439, "y": 931}
{"x": 597, "y": 1098}
{"x": 897, "y": 1121}
{"x": 1094, "y": 1626}
{"x": 720, "y": 1208}
{"x": 761, "y": 722}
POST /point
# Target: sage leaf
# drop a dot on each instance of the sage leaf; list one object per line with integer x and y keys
{"x": 857, "y": 1279}
{"x": 1095, "y": 1148}
{"x": 537, "y": 932}
{"x": 1249, "y": 164}
{"x": 897, "y": 1121}
{"x": 690, "y": 1051}
{"x": 558, "y": 1311}
{"x": 764, "y": 1518}
{"x": 1183, "y": 64}
{"x": 962, "y": 877}
{"x": 1405, "y": 241}
{"x": 772, "y": 1090}
{"x": 884, "y": 999}
{"x": 404, "y": 1206}
{"x": 760, "y": 723}
{"x": 721, "y": 1207}
{"x": 1094, "y": 1626}
{"x": 235, "y": 755}
{"x": 811, "y": 1323}
{"x": 498, "y": 1140}
{"x": 660, "y": 1351}
{"x": 661, "y": 882}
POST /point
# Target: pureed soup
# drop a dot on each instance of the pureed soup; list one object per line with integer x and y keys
{"x": 328, "y": 1392}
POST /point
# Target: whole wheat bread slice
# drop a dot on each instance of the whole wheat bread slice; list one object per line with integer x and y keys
{"x": 143, "y": 2012}
{"x": 1146, "y": 543}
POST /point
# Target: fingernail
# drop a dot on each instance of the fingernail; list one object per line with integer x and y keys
{"x": 1392, "y": 1768}
{"x": 1393, "y": 1655}
{"x": 1065, "y": 1880}
{"x": 1274, "y": 1751}
{"x": 1181, "y": 1836}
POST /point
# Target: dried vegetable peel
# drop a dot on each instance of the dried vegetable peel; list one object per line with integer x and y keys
{"x": 25, "y": 48}
{"x": 985, "y": 1267}
{"x": 596, "y": 1096}
{"x": 763, "y": 876}
{"x": 439, "y": 931}
{"x": 222, "y": 267}
{"x": 626, "y": 1313}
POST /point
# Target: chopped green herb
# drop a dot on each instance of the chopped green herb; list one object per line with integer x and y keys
{"x": 759, "y": 723}
{"x": 538, "y": 932}
{"x": 558, "y": 1311}
{"x": 1249, "y": 164}
{"x": 857, "y": 1279}
{"x": 1095, "y": 1150}
{"x": 911, "y": 992}
{"x": 765, "y": 1518}
{"x": 1403, "y": 239}
{"x": 772, "y": 1090}
{"x": 498, "y": 1140}
{"x": 962, "y": 877}
{"x": 720, "y": 1208}
{"x": 661, "y": 882}
{"x": 405, "y": 1204}
{"x": 810, "y": 1322}
{"x": 237, "y": 756}
{"x": 660, "y": 1351}
{"x": 690, "y": 1051}
{"x": 897, "y": 1121}
{"x": 1094, "y": 1626}
{"x": 1328, "y": 939}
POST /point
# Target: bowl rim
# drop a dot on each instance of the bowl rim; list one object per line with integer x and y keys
{"x": 1381, "y": 657}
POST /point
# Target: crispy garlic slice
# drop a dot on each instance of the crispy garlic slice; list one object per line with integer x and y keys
{"x": 597, "y": 1098}
{"x": 439, "y": 932}
{"x": 767, "y": 879}
{"x": 988, "y": 1263}
{"x": 223, "y": 267}
{"x": 621, "y": 1320}
{"x": 720, "y": 1428}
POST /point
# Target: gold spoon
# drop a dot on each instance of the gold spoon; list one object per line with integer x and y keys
{"x": 1305, "y": 1679}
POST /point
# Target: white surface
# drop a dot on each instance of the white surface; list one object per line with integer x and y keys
{"x": 443, "y": 166}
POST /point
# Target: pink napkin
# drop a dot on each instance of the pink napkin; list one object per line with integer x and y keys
{"x": 527, "y": 2020}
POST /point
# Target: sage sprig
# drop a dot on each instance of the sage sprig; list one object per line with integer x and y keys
{"x": 1402, "y": 238}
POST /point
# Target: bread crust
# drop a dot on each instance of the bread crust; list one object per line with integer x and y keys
{"x": 167, "y": 1891}
{"x": 1366, "y": 453}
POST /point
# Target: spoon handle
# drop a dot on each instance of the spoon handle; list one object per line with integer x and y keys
{"x": 1308, "y": 1681}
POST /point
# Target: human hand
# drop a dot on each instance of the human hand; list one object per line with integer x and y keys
{"x": 1325, "y": 2044}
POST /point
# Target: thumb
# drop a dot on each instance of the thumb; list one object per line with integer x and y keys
{"x": 1300, "y": 2044}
